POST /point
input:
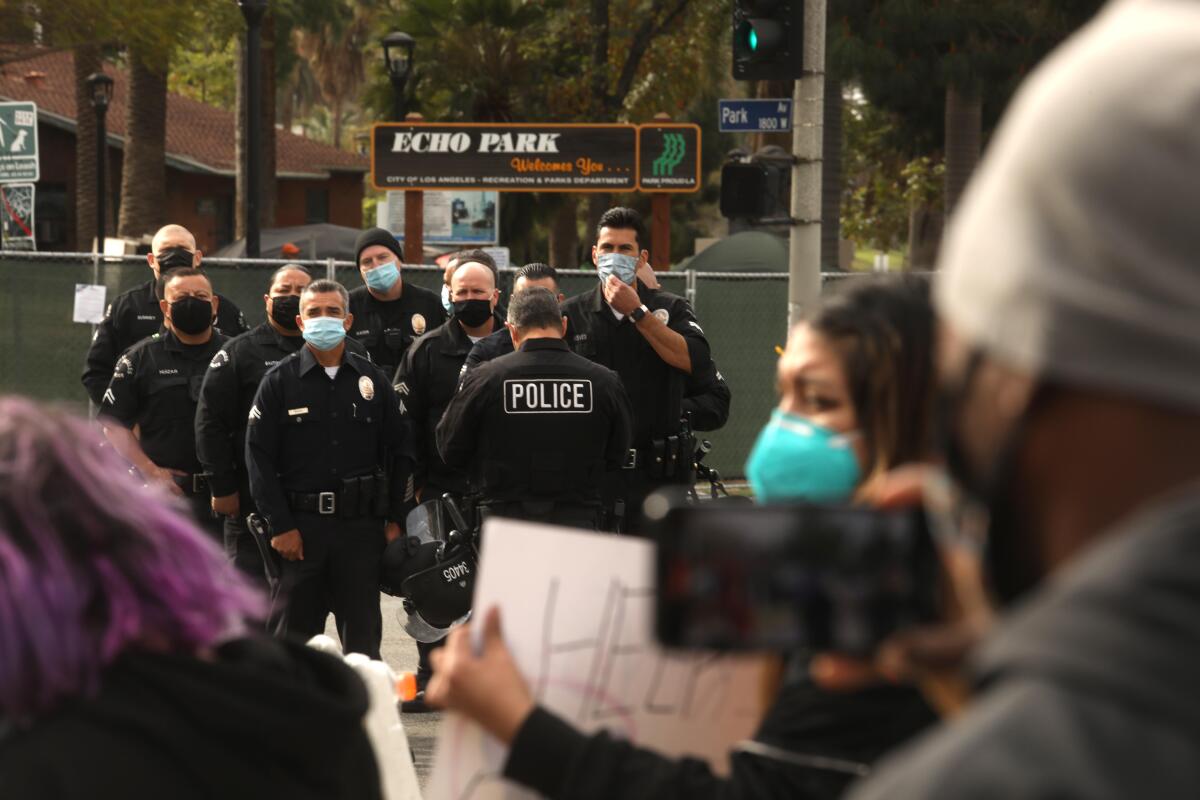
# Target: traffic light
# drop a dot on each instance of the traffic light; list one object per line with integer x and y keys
{"x": 768, "y": 39}
{"x": 758, "y": 188}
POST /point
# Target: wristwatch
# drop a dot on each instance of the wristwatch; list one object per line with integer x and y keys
{"x": 639, "y": 312}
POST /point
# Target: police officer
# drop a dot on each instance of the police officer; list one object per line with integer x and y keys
{"x": 652, "y": 340}
{"x": 327, "y": 455}
{"x": 538, "y": 428}
{"x": 430, "y": 371}
{"x": 706, "y": 395}
{"x": 156, "y": 385}
{"x": 389, "y": 312}
{"x": 426, "y": 382}
{"x": 225, "y": 398}
{"x": 136, "y": 314}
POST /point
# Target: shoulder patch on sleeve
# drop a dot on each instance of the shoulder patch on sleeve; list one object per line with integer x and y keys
{"x": 663, "y": 315}
{"x": 219, "y": 360}
{"x": 123, "y": 367}
{"x": 255, "y": 414}
{"x": 109, "y": 397}
{"x": 401, "y": 388}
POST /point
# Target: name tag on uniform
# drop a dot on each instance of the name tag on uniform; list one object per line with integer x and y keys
{"x": 295, "y": 412}
{"x": 548, "y": 396}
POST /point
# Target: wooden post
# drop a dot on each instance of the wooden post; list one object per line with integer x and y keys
{"x": 660, "y": 221}
{"x": 414, "y": 217}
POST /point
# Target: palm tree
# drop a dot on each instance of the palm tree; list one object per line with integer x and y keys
{"x": 144, "y": 171}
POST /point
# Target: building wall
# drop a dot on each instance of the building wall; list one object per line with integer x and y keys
{"x": 202, "y": 203}
{"x": 343, "y": 198}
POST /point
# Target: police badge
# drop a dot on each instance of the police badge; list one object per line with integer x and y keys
{"x": 418, "y": 324}
{"x": 366, "y": 387}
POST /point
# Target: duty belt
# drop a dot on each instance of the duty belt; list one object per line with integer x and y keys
{"x": 196, "y": 483}
{"x": 323, "y": 503}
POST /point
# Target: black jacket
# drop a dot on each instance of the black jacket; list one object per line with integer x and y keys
{"x": 307, "y": 433}
{"x": 263, "y": 720}
{"x": 539, "y": 424}
{"x": 832, "y": 736}
{"x": 655, "y": 389}
{"x": 1089, "y": 689}
{"x": 388, "y": 328}
{"x": 426, "y": 380}
{"x": 706, "y": 395}
{"x": 156, "y": 386}
{"x": 133, "y": 316}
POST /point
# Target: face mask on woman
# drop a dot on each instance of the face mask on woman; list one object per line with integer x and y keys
{"x": 794, "y": 459}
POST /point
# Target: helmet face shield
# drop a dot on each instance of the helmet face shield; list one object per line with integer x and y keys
{"x": 428, "y": 522}
{"x": 419, "y": 629}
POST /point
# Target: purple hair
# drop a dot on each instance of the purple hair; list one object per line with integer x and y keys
{"x": 92, "y": 563}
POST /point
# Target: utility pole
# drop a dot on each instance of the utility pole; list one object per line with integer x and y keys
{"x": 804, "y": 247}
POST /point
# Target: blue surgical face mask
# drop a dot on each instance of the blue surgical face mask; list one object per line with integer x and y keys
{"x": 619, "y": 264}
{"x": 446, "y": 304}
{"x": 324, "y": 333}
{"x": 795, "y": 459}
{"x": 383, "y": 277}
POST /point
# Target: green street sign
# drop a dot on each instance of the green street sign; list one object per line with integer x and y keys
{"x": 18, "y": 143}
{"x": 669, "y": 157}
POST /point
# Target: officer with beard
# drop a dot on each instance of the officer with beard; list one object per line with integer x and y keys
{"x": 389, "y": 312}
{"x": 155, "y": 387}
{"x": 136, "y": 314}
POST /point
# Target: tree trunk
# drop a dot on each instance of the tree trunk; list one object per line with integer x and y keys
{"x": 144, "y": 174}
{"x": 564, "y": 235}
{"x": 87, "y": 61}
{"x": 266, "y": 203}
{"x": 831, "y": 176}
{"x": 964, "y": 138}
{"x": 924, "y": 236}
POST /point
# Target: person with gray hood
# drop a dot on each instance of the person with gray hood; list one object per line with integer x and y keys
{"x": 1070, "y": 299}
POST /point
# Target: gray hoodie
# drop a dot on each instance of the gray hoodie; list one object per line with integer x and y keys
{"x": 1090, "y": 690}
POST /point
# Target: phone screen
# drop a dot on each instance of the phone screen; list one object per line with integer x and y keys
{"x": 791, "y": 577}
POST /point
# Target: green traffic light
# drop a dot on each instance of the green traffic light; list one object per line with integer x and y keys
{"x": 753, "y": 40}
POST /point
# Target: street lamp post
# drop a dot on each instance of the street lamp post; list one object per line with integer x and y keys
{"x": 102, "y": 89}
{"x": 253, "y": 11}
{"x": 398, "y": 56}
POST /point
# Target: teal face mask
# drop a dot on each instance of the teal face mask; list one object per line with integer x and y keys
{"x": 324, "y": 333}
{"x": 383, "y": 277}
{"x": 619, "y": 264}
{"x": 793, "y": 459}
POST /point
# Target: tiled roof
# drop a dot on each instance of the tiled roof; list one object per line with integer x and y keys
{"x": 199, "y": 136}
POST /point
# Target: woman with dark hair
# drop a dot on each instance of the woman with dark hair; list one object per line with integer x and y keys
{"x": 856, "y": 387}
{"x": 125, "y": 667}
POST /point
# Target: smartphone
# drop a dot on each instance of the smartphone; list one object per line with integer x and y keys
{"x": 792, "y": 577}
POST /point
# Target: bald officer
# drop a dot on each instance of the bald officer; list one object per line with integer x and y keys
{"x": 537, "y": 429}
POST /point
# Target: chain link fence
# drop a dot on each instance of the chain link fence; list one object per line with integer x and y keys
{"x": 41, "y": 350}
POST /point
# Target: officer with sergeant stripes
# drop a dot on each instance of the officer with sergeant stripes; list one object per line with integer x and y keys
{"x": 328, "y": 456}
{"x": 537, "y": 429}
{"x": 155, "y": 388}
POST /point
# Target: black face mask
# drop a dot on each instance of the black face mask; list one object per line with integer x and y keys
{"x": 173, "y": 258}
{"x": 472, "y": 313}
{"x": 1008, "y": 562}
{"x": 192, "y": 315}
{"x": 284, "y": 310}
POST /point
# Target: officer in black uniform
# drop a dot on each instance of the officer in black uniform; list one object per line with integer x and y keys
{"x": 706, "y": 396}
{"x": 327, "y": 452}
{"x": 538, "y": 428}
{"x": 389, "y": 312}
{"x": 225, "y": 398}
{"x": 426, "y": 382}
{"x": 156, "y": 385}
{"x": 430, "y": 371}
{"x": 652, "y": 340}
{"x": 136, "y": 314}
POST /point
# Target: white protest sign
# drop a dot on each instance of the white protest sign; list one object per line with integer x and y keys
{"x": 89, "y": 303}
{"x": 577, "y": 613}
